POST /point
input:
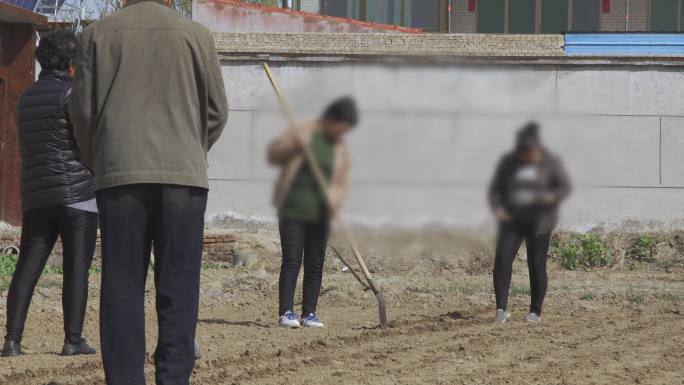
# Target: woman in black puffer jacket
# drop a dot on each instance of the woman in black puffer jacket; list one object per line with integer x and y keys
{"x": 57, "y": 197}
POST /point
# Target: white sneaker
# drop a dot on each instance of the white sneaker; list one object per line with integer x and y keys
{"x": 501, "y": 316}
{"x": 311, "y": 321}
{"x": 289, "y": 320}
{"x": 533, "y": 317}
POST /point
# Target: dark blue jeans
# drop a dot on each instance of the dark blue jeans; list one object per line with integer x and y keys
{"x": 302, "y": 242}
{"x": 135, "y": 218}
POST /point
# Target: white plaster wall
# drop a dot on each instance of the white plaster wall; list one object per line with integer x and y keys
{"x": 431, "y": 135}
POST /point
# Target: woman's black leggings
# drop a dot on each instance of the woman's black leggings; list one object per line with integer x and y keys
{"x": 40, "y": 229}
{"x": 305, "y": 241}
{"x": 510, "y": 238}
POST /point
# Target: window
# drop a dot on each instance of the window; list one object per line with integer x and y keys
{"x": 425, "y": 14}
{"x": 491, "y": 16}
{"x": 341, "y": 8}
{"x": 384, "y": 11}
{"x": 538, "y": 16}
{"x": 665, "y": 16}
{"x": 554, "y": 16}
{"x": 521, "y": 16}
{"x": 586, "y": 16}
{"x": 429, "y": 15}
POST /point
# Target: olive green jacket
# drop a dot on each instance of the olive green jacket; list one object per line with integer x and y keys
{"x": 148, "y": 97}
{"x": 285, "y": 152}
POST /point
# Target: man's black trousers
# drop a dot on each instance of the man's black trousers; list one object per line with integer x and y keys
{"x": 134, "y": 219}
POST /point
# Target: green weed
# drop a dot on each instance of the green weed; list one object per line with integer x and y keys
{"x": 588, "y": 296}
{"x": 643, "y": 248}
{"x": 519, "y": 291}
{"x": 588, "y": 250}
{"x": 213, "y": 266}
{"x": 8, "y": 264}
{"x": 635, "y": 297}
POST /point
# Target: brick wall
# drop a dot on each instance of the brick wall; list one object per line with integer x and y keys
{"x": 16, "y": 72}
{"x": 614, "y": 21}
{"x": 638, "y": 15}
{"x": 462, "y": 21}
{"x": 438, "y": 45}
{"x": 218, "y": 246}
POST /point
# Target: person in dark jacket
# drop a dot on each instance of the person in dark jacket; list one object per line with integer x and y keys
{"x": 57, "y": 197}
{"x": 528, "y": 186}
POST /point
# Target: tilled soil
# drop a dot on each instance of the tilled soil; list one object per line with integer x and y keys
{"x": 608, "y": 326}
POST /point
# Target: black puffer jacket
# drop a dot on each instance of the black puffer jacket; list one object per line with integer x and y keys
{"x": 51, "y": 171}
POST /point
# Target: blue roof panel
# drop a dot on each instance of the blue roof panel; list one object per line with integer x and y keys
{"x": 625, "y": 44}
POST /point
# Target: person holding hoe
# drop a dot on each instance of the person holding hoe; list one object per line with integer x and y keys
{"x": 303, "y": 209}
{"x": 528, "y": 187}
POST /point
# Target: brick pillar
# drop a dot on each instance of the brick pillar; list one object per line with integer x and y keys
{"x": 17, "y": 66}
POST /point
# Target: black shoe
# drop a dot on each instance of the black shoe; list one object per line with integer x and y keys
{"x": 11, "y": 349}
{"x": 78, "y": 349}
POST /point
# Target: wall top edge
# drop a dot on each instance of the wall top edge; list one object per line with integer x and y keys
{"x": 443, "y": 48}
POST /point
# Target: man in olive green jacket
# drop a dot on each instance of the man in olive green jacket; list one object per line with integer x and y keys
{"x": 148, "y": 103}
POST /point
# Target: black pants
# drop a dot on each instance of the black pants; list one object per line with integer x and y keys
{"x": 134, "y": 218}
{"x": 305, "y": 241}
{"x": 39, "y": 232}
{"x": 510, "y": 238}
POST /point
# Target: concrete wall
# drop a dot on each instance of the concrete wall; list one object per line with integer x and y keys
{"x": 431, "y": 135}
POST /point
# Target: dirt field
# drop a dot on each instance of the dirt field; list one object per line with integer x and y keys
{"x": 617, "y": 325}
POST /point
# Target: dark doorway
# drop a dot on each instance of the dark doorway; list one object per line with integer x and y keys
{"x": 425, "y": 14}
{"x": 338, "y": 8}
{"x": 491, "y": 16}
{"x": 521, "y": 16}
{"x": 664, "y": 16}
{"x": 586, "y": 16}
{"x": 554, "y": 16}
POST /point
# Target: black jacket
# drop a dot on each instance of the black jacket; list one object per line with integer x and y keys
{"x": 552, "y": 179}
{"x": 51, "y": 171}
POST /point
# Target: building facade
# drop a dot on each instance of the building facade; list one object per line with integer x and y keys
{"x": 511, "y": 16}
{"x": 17, "y": 31}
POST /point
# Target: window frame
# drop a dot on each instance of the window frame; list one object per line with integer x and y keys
{"x": 538, "y": 16}
{"x": 443, "y": 17}
{"x": 680, "y": 21}
{"x": 570, "y": 17}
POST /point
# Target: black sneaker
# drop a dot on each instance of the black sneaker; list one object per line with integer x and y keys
{"x": 77, "y": 349}
{"x": 11, "y": 348}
